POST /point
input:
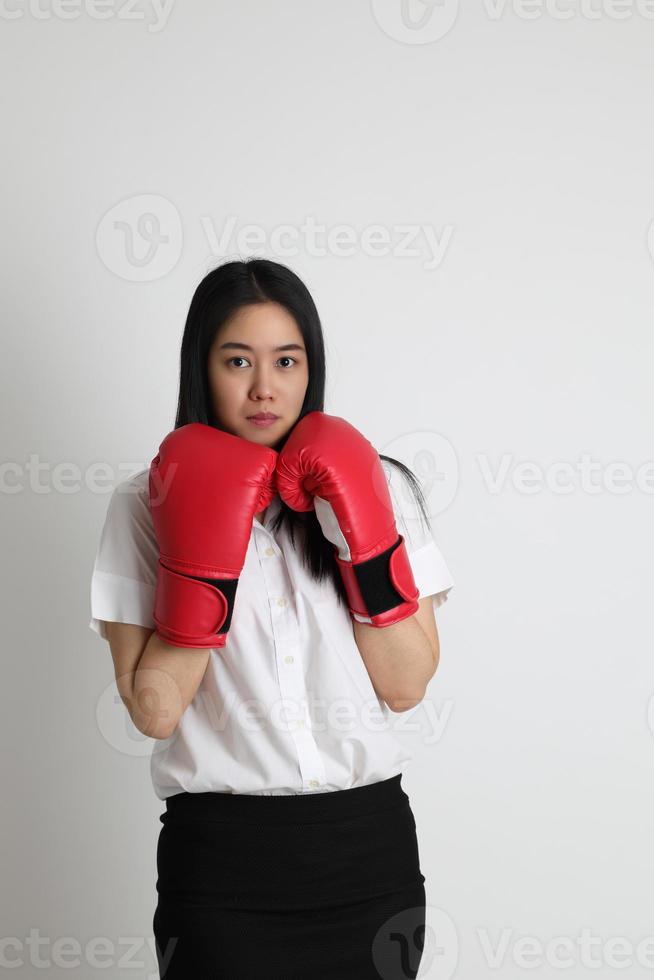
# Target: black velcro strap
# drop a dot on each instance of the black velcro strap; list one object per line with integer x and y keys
{"x": 378, "y": 592}
{"x": 228, "y": 588}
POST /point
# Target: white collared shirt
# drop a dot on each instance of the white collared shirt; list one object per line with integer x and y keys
{"x": 288, "y": 705}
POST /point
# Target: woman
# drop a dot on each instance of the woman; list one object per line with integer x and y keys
{"x": 268, "y": 610}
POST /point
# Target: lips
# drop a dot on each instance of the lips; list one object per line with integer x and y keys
{"x": 263, "y": 416}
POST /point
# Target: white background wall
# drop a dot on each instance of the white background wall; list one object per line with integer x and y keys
{"x": 519, "y": 138}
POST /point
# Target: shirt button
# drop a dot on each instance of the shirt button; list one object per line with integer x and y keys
{"x": 281, "y": 602}
{"x": 269, "y": 551}
{"x": 313, "y": 783}
{"x": 289, "y": 659}
{"x": 300, "y": 723}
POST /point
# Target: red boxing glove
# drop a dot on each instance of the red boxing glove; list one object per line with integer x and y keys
{"x": 327, "y": 465}
{"x": 206, "y": 485}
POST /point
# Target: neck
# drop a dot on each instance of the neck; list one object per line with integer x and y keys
{"x": 262, "y": 513}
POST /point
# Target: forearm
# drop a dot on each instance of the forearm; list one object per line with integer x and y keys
{"x": 399, "y": 660}
{"x": 165, "y": 682}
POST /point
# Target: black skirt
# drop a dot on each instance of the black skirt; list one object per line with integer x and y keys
{"x": 324, "y": 886}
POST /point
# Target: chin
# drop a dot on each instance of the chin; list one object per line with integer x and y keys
{"x": 263, "y": 438}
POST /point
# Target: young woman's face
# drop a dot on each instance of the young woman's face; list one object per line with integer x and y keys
{"x": 249, "y": 373}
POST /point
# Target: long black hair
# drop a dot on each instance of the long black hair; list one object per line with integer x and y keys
{"x": 220, "y": 294}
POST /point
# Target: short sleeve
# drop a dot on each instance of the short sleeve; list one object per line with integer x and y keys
{"x": 430, "y": 571}
{"x": 125, "y": 569}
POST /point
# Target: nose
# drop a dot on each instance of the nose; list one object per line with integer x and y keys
{"x": 261, "y": 385}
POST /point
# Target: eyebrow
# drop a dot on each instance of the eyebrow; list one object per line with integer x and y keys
{"x": 233, "y": 345}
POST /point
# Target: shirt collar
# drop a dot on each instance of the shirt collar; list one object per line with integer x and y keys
{"x": 273, "y": 509}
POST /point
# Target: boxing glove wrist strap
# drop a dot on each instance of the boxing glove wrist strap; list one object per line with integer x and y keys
{"x": 381, "y": 591}
{"x": 190, "y": 611}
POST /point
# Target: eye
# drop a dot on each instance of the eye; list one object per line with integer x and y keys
{"x": 286, "y": 357}
{"x": 238, "y": 357}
